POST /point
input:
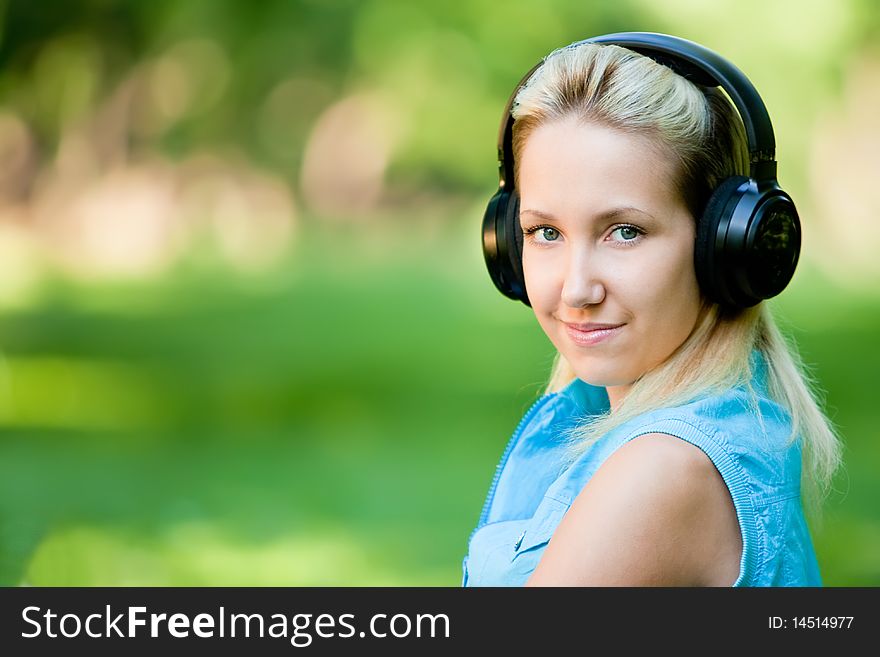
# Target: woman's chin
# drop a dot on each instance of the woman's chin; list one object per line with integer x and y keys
{"x": 602, "y": 378}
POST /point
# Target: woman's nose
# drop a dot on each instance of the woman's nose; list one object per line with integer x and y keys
{"x": 582, "y": 285}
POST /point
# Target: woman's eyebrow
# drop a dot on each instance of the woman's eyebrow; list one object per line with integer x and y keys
{"x": 607, "y": 214}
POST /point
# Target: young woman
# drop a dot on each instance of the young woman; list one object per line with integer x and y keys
{"x": 640, "y": 218}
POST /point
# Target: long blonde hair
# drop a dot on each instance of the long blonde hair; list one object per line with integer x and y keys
{"x": 621, "y": 89}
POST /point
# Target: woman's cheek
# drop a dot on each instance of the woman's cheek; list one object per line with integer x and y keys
{"x": 541, "y": 281}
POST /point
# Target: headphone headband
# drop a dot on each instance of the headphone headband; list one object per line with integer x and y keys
{"x": 692, "y": 61}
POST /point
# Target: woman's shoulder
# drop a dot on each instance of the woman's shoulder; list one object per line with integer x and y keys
{"x": 697, "y": 473}
{"x": 727, "y": 456}
{"x": 748, "y": 437}
{"x": 656, "y": 513}
{"x": 745, "y": 434}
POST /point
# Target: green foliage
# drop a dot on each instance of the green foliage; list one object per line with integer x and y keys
{"x": 447, "y": 67}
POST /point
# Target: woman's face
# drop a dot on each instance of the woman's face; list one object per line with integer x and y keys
{"x": 608, "y": 250}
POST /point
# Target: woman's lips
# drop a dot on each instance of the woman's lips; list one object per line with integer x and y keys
{"x": 590, "y": 334}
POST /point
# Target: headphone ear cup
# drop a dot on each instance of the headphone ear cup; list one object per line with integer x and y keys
{"x": 771, "y": 246}
{"x": 514, "y": 230}
{"x": 708, "y": 246}
{"x": 502, "y": 245}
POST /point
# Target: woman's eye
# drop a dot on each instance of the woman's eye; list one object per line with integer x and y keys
{"x": 627, "y": 233}
{"x": 544, "y": 234}
{"x": 549, "y": 234}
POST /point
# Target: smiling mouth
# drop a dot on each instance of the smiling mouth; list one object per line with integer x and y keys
{"x": 591, "y": 326}
{"x": 594, "y": 333}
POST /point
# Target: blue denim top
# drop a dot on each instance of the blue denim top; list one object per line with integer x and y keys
{"x": 534, "y": 486}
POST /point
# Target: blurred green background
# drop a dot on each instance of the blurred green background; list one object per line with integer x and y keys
{"x": 246, "y": 333}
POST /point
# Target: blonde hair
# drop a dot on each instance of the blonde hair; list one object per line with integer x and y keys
{"x": 700, "y": 129}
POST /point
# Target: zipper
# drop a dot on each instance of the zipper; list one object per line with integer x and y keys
{"x": 484, "y": 514}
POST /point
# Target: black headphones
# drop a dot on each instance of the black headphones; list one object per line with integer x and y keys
{"x": 749, "y": 236}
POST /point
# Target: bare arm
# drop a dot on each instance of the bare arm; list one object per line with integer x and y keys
{"x": 656, "y": 513}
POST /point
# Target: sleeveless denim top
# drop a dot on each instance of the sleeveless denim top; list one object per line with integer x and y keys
{"x": 533, "y": 488}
